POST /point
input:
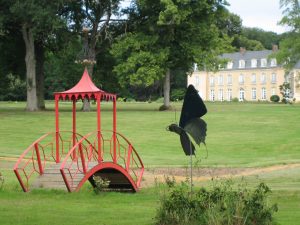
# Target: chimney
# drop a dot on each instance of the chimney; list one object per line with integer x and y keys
{"x": 274, "y": 48}
{"x": 242, "y": 50}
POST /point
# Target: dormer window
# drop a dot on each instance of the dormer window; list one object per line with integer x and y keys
{"x": 263, "y": 62}
{"x": 253, "y": 63}
{"x": 273, "y": 62}
{"x": 242, "y": 63}
{"x": 229, "y": 65}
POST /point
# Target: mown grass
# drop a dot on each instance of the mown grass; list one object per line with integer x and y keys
{"x": 239, "y": 135}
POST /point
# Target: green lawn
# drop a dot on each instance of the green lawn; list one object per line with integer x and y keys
{"x": 239, "y": 135}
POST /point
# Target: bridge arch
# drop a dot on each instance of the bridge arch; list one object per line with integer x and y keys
{"x": 118, "y": 176}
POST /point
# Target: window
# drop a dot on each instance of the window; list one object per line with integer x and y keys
{"x": 211, "y": 80}
{"x": 242, "y": 95}
{"x": 220, "y": 79}
{"x": 263, "y": 94}
{"x": 241, "y": 79}
{"x": 229, "y": 79}
{"x": 273, "y": 62}
{"x": 229, "y": 65}
{"x": 253, "y": 63}
{"x": 197, "y": 80}
{"x": 263, "y": 78}
{"x": 242, "y": 63}
{"x": 273, "y": 91}
{"x": 212, "y": 95}
{"x": 253, "y": 93}
{"x": 253, "y": 78}
{"x": 221, "y": 97}
{"x": 273, "y": 78}
{"x": 229, "y": 94}
{"x": 263, "y": 62}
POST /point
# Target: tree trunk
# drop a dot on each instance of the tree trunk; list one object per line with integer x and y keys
{"x": 32, "y": 103}
{"x": 40, "y": 87}
{"x": 167, "y": 90}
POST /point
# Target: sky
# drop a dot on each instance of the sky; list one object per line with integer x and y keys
{"x": 263, "y": 14}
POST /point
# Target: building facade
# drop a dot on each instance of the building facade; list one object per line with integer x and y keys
{"x": 248, "y": 75}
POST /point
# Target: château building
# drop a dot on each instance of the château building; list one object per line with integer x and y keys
{"x": 248, "y": 75}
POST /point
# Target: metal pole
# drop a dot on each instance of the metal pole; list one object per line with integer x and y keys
{"x": 191, "y": 165}
{"x": 100, "y": 157}
{"x": 114, "y": 130}
{"x": 56, "y": 129}
{"x": 74, "y": 127}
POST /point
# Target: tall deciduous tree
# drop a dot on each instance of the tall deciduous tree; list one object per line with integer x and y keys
{"x": 36, "y": 19}
{"x": 289, "y": 52}
{"x": 165, "y": 35}
{"x": 95, "y": 17}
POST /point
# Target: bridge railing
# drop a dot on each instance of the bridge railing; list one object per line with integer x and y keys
{"x": 95, "y": 148}
{"x": 40, "y": 153}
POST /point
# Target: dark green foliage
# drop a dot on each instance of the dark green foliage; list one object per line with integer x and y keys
{"x": 223, "y": 204}
{"x": 177, "y": 94}
{"x": 285, "y": 90}
{"x": 275, "y": 98}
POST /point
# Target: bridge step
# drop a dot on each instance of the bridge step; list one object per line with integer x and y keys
{"x": 52, "y": 178}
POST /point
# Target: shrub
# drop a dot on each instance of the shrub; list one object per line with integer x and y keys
{"x": 275, "y": 98}
{"x": 223, "y": 204}
{"x": 235, "y": 100}
{"x": 101, "y": 184}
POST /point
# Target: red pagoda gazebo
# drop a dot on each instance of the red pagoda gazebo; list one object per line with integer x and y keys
{"x": 70, "y": 159}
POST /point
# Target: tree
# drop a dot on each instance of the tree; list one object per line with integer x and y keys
{"x": 36, "y": 21}
{"x": 289, "y": 52}
{"x": 166, "y": 35}
{"x": 95, "y": 19}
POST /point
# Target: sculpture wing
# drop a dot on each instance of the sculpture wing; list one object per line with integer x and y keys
{"x": 196, "y": 127}
{"x": 187, "y": 146}
{"x": 193, "y": 106}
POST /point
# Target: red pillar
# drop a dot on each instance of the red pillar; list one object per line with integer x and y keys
{"x": 74, "y": 126}
{"x": 56, "y": 129}
{"x": 100, "y": 157}
{"x": 114, "y": 130}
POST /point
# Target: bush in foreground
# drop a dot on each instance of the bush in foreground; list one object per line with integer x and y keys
{"x": 223, "y": 204}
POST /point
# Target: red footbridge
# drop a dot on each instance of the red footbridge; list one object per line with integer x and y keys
{"x": 66, "y": 159}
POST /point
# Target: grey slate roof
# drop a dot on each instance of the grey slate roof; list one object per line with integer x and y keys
{"x": 248, "y": 56}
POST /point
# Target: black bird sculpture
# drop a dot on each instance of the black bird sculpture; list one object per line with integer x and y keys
{"x": 190, "y": 122}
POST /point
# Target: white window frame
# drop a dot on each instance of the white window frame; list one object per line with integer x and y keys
{"x": 253, "y": 78}
{"x": 263, "y": 93}
{"x": 242, "y": 63}
{"x": 273, "y": 78}
{"x": 229, "y": 79}
{"x": 212, "y": 80}
{"x": 273, "y": 91}
{"x": 253, "y": 63}
{"x": 263, "y": 62}
{"x": 241, "y": 79}
{"x": 220, "y": 79}
{"x": 273, "y": 62}
{"x": 263, "y": 78}
{"x": 229, "y": 94}
{"x": 221, "y": 95}
{"x": 253, "y": 94}
{"x": 229, "y": 65}
{"x": 241, "y": 95}
{"x": 212, "y": 95}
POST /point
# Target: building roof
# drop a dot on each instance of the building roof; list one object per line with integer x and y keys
{"x": 247, "y": 56}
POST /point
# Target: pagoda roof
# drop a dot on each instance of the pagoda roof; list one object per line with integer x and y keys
{"x": 84, "y": 88}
